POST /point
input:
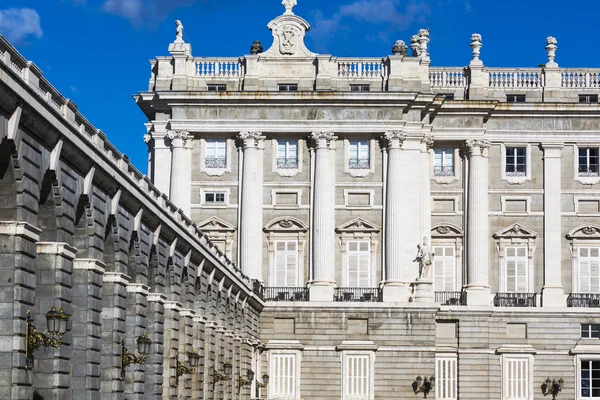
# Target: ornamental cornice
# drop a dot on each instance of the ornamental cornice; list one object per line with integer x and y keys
{"x": 477, "y": 147}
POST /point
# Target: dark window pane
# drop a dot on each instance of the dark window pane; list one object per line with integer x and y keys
{"x": 209, "y": 197}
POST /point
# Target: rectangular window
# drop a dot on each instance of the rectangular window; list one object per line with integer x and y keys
{"x": 357, "y": 385}
{"x": 590, "y": 331}
{"x": 516, "y": 378}
{"x": 287, "y": 154}
{"x": 360, "y": 88}
{"x": 588, "y": 161}
{"x": 214, "y": 197}
{"x": 444, "y": 269}
{"x": 359, "y": 154}
{"x": 589, "y": 379}
{"x": 589, "y": 269}
{"x": 359, "y": 263}
{"x": 443, "y": 162}
{"x": 588, "y": 98}
{"x": 282, "y": 383}
{"x": 515, "y": 98}
{"x": 447, "y": 96}
{"x": 445, "y": 378}
{"x": 516, "y": 161}
{"x": 217, "y": 88}
{"x": 288, "y": 87}
{"x": 216, "y": 153}
{"x": 516, "y": 274}
{"x": 285, "y": 268}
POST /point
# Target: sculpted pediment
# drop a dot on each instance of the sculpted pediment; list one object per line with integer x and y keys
{"x": 215, "y": 224}
{"x": 446, "y": 230}
{"x": 587, "y": 231}
{"x": 515, "y": 231}
{"x": 286, "y": 224}
{"x": 358, "y": 225}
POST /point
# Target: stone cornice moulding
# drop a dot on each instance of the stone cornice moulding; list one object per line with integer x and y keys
{"x": 515, "y": 231}
{"x": 586, "y": 346}
{"x": 89, "y": 264}
{"x": 116, "y": 277}
{"x": 584, "y": 232}
{"x": 366, "y": 345}
{"x": 285, "y": 224}
{"x": 516, "y": 349}
{"x": 216, "y": 224}
{"x": 446, "y": 230}
{"x": 56, "y": 248}
{"x": 18, "y": 228}
{"x": 157, "y": 298}
{"x": 358, "y": 225}
{"x": 173, "y": 305}
{"x": 284, "y": 345}
{"x": 138, "y": 288}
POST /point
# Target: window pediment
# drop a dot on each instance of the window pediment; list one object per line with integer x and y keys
{"x": 215, "y": 224}
{"x": 358, "y": 225}
{"x": 446, "y": 230}
{"x": 285, "y": 224}
{"x": 588, "y": 231}
{"x": 515, "y": 231}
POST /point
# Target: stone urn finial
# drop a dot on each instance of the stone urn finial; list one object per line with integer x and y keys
{"x": 415, "y": 46}
{"x": 476, "y": 48}
{"x": 256, "y": 48}
{"x": 399, "y": 48}
{"x": 423, "y": 38}
{"x": 289, "y": 6}
{"x": 551, "y": 48}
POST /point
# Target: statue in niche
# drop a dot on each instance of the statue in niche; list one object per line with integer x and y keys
{"x": 424, "y": 258}
{"x": 178, "y": 32}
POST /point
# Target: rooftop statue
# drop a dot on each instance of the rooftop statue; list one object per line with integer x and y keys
{"x": 289, "y": 4}
{"x": 178, "y": 32}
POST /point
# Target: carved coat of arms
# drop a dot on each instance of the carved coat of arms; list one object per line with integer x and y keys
{"x": 288, "y": 36}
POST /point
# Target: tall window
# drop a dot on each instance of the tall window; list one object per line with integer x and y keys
{"x": 358, "y": 154}
{"x": 589, "y": 379}
{"x": 216, "y": 153}
{"x": 444, "y": 268}
{"x": 282, "y": 383}
{"x": 589, "y": 269}
{"x": 287, "y": 154}
{"x": 445, "y": 378}
{"x": 356, "y": 377}
{"x": 516, "y": 270}
{"x": 516, "y": 379}
{"x": 285, "y": 273}
{"x": 359, "y": 263}
{"x": 443, "y": 162}
{"x": 516, "y": 161}
{"x": 588, "y": 161}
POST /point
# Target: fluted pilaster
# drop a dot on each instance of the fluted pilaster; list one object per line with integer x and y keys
{"x": 181, "y": 169}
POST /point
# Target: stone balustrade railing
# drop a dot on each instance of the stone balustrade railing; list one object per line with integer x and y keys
{"x": 527, "y": 78}
{"x": 219, "y": 67}
{"x": 580, "y": 78}
{"x": 361, "y": 68}
{"x": 447, "y": 77}
{"x": 32, "y": 77}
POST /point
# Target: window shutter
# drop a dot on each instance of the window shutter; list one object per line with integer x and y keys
{"x": 284, "y": 376}
{"x": 448, "y": 158}
{"x": 437, "y": 157}
{"x": 517, "y": 374}
{"x": 445, "y": 380}
{"x": 353, "y": 265}
{"x": 359, "y": 264}
{"x": 444, "y": 269}
{"x": 363, "y": 150}
{"x": 353, "y": 149}
{"x": 357, "y": 385}
{"x": 281, "y": 150}
{"x": 210, "y": 148}
{"x": 292, "y": 149}
{"x": 286, "y": 264}
{"x": 516, "y": 270}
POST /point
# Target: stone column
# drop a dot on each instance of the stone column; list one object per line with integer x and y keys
{"x": 154, "y": 362}
{"x": 321, "y": 287}
{"x": 252, "y": 205}
{"x": 181, "y": 171}
{"x": 404, "y": 214}
{"x": 478, "y": 287}
{"x": 186, "y": 337}
{"x": 220, "y": 347}
{"x": 171, "y": 349}
{"x": 199, "y": 345}
{"x": 553, "y": 294}
{"x": 210, "y": 360}
{"x": 136, "y": 325}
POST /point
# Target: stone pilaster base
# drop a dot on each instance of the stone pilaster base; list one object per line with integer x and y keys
{"x": 423, "y": 292}
{"x": 396, "y": 292}
{"x": 478, "y": 296}
{"x": 553, "y": 297}
{"x": 319, "y": 292}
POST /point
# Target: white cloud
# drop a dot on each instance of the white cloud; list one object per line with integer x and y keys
{"x": 148, "y": 12}
{"x": 130, "y": 9}
{"x": 16, "y": 24}
{"x": 393, "y": 15}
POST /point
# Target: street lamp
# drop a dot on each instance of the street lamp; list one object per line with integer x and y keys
{"x": 56, "y": 321}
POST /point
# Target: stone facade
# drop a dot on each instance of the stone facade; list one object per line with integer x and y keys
{"x": 83, "y": 230}
{"x": 349, "y": 164}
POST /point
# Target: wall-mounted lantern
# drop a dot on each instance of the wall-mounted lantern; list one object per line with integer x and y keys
{"x": 217, "y": 377}
{"x": 127, "y": 358}
{"x": 424, "y": 386}
{"x": 264, "y": 383}
{"x": 246, "y": 382}
{"x": 57, "y": 328}
{"x": 552, "y": 387}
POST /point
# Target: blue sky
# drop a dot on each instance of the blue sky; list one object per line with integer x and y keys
{"x": 96, "y": 52}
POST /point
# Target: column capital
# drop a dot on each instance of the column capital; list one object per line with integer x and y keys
{"x": 147, "y": 138}
{"x": 249, "y": 139}
{"x": 322, "y": 139}
{"x": 178, "y": 137}
{"x": 477, "y": 147}
{"x": 393, "y": 139}
{"x": 428, "y": 142}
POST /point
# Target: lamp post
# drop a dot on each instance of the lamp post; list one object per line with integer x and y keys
{"x": 56, "y": 321}
{"x": 424, "y": 386}
{"x": 552, "y": 387}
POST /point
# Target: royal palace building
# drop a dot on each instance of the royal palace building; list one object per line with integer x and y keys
{"x": 311, "y": 227}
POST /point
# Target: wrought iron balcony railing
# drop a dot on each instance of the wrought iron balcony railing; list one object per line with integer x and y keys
{"x": 446, "y": 170}
{"x": 357, "y": 294}
{"x": 515, "y": 173}
{"x": 216, "y": 162}
{"x": 286, "y": 294}
{"x": 583, "y": 300}
{"x": 451, "y": 298}
{"x": 359, "y": 163}
{"x": 588, "y": 170}
{"x": 287, "y": 163}
{"x": 515, "y": 300}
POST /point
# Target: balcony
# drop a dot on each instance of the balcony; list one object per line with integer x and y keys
{"x": 286, "y": 294}
{"x": 583, "y": 300}
{"x": 360, "y": 295}
{"x": 258, "y": 288}
{"x": 216, "y": 162}
{"x": 588, "y": 170}
{"x": 515, "y": 300}
{"x": 440, "y": 170}
{"x": 287, "y": 163}
{"x": 451, "y": 298}
{"x": 359, "y": 163}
